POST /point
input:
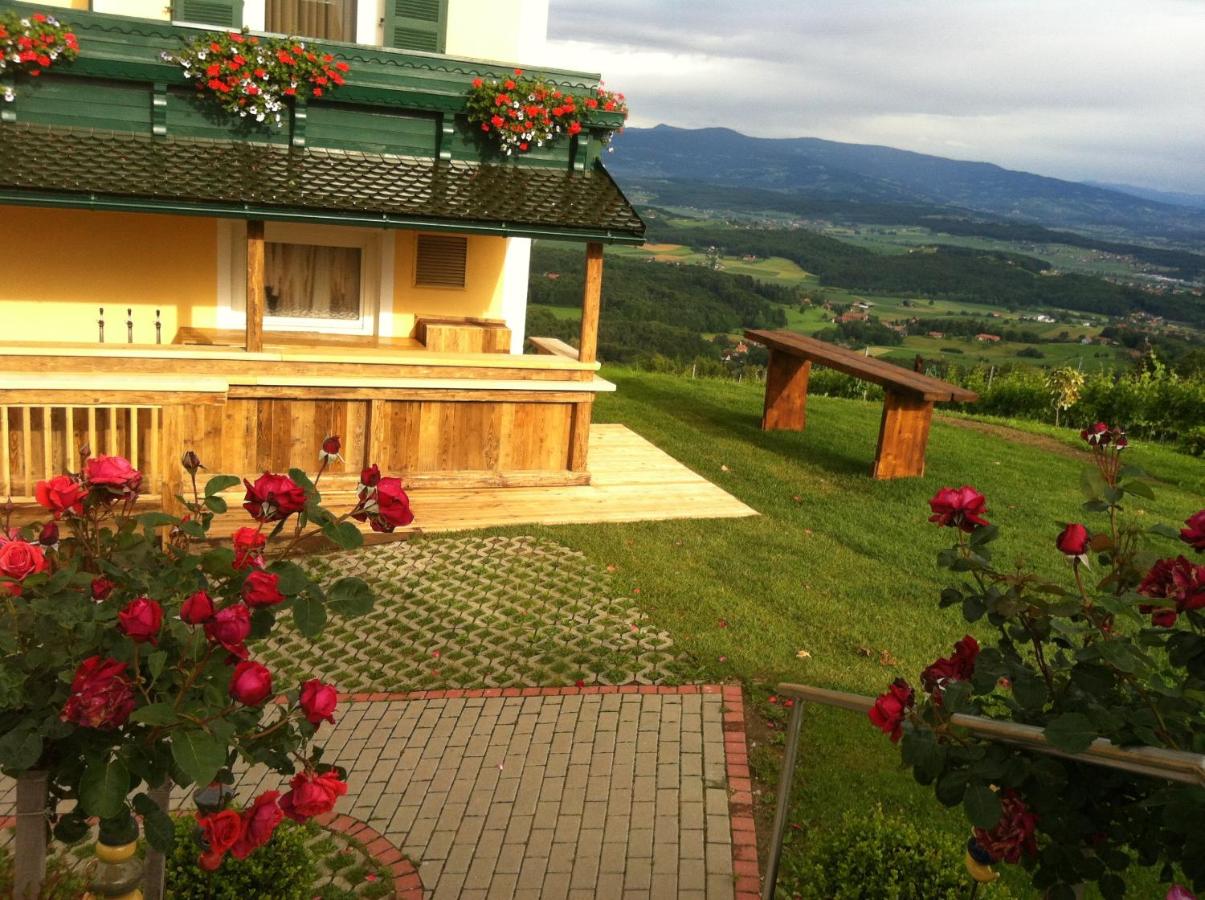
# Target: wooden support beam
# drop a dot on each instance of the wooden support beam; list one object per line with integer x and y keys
{"x": 579, "y": 435}
{"x": 786, "y": 401}
{"x": 255, "y": 286}
{"x": 591, "y": 300}
{"x": 903, "y": 436}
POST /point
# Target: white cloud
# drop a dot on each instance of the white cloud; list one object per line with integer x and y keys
{"x": 1080, "y": 89}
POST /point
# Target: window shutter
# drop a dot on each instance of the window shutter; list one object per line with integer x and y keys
{"x": 416, "y": 24}
{"x": 440, "y": 260}
{"x": 222, "y": 13}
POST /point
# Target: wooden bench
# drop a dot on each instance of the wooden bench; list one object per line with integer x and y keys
{"x": 907, "y": 406}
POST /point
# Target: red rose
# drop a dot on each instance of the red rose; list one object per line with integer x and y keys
{"x": 1194, "y": 534}
{"x": 1096, "y": 435}
{"x": 101, "y": 588}
{"x": 959, "y": 667}
{"x": 262, "y": 589}
{"x": 19, "y": 560}
{"x": 962, "y": 508}
{"x": 101, "y": 694}
{"x": 247, "y": 542}
{"x": 1177, "y": 580}
{"x": 140, "y": 620}
{"x": 259, "y": 821}
{"x": 220, "y": 831}
{"x": 229, "y": 628}
{"x": 890, "y": 709}
{"x": 61, "y": 494}
{"x": 48, "y": 537}
{"x": 1074, "y": 540}
{"x": 311, "y": 795}
{"x": 330, "y": 449}
{"x": 318, "y": 701}
{"x": 1013, "y": 834}
{"x": 113, "y": 472}
{"x": 197, "y": 608}
{"x": 273, "y": 497}
{"x": 384, "y": 507}
{"x": 251, "y": 683}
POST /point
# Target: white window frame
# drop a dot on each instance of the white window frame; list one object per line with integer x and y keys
{"x": 370, "y": 19}
{"x": 376, "y": 276}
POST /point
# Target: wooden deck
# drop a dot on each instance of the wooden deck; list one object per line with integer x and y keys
{"x": 632, "y": 481}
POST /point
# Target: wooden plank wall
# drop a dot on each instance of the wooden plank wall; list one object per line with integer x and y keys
{"x": 39, "y": 442}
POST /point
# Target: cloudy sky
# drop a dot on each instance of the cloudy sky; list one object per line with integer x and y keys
{"x": 1081, "y": 89}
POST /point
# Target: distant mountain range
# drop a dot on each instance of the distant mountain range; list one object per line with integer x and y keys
{"x": 861, "y": 173}
{"x": 1175, "y": 198}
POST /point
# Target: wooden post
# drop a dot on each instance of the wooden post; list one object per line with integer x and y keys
{"x": 903, "y": 436}
{"x": 255, "y": 286}
{"x": 591, "y": 299}
{"x": 786, "y": 401}
{"x": 579, "y": 435}
{"x": 155, "y": 867}
{"x": 29, "y": 857}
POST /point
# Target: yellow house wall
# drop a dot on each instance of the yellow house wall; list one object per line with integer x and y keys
{"x": 63, "y": 265}
{"x": 481, "y": 296}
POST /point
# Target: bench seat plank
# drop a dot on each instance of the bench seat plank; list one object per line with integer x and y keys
{"x": 867, "y": 368}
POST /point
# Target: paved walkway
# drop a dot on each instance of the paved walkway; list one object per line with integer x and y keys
{"x": 552, "y": 792}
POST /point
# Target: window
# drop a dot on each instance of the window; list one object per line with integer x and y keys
{"x": 332, "y": 20}
{"x": 440, "y": 260}
{"x": 416, "y": 24}
{"x": 310, "y": 281}
{"x": 223, "y": 13}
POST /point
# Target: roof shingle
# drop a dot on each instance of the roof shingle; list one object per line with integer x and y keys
{"x": 78, "y": 166}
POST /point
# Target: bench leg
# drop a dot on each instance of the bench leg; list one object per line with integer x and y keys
{"x": 903, "y": 436}
{"x": 786, "y": 393}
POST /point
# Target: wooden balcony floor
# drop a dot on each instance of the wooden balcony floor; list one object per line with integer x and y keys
{"x": 632, "y": 481}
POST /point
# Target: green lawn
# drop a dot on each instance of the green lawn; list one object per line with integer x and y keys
{"x": 837, "y": 565}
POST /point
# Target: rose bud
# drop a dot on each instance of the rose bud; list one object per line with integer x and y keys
{"x": 191, "y": 462}
{"x": 85, "y": 451}
{"x": 1074, "y": 540}
{"x": 311, "y": 795}
{"x": 330, "y": 449}
{"x": 49, "y": 536}
{"x": 197, "y": 609}
{"x": 140, "y": 620}
{"x": 318, "y": 702}
{"x": 370, "y": 476}
{"x": 101, "y": 588}
{"x": 262, "y": 589}
{"x": 1194, "y": 533}
{"x": 251, "y": 683}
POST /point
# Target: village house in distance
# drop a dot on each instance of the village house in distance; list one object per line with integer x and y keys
{"x": 184, "y": 276}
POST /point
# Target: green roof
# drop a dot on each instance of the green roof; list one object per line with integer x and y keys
{"x": 111, "y": 170}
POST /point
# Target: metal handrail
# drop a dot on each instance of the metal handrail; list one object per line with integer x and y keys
{"x": 1173, "y": 765}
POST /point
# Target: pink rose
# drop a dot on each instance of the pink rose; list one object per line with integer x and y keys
{"x": 112, "y": 472}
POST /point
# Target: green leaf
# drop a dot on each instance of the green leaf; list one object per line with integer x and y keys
{"x": 154, "y": 714}
{"x": 199, "y": 755}
{"x": 309, "y": 615}
{"x": 72, "y": 827}
{"x": 216, "y": 504}
{"x": 344, "y": 534}
{"x": 156, "y": 823}
{"x": 156, "y": 519}
{"x": 351, "y": 597}
{"x": 103, "y": 788}
{"x": 20, "y": 749}
{"x": 219, "y": 483}
{"x": 1095, "y": 506}
{"x": 193, "y": 528}
{"x": 303, "y": 480}
{"x": 262, "y": 621}
{"x": 951, "y": 788}
{"x": 1165, "y": 531}
{"x": 985, "y": 535}
{"x": 293, "y": 579}
{"x": 1071, "y": 732}
{"x": 982, "y": 806}
{"x": 155, "y": 663}
{"x": 218, "y": 562}
{"x": 1138, "y": 489}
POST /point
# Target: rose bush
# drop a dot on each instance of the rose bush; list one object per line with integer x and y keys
{"x": 1116, "y": 651}
{"x": 127, "y": 652}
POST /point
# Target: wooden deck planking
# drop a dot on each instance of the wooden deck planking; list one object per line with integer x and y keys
{"x": 632, "y": 481}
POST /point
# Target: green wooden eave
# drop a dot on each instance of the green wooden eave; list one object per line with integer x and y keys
{"x": 119, "y": 171}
